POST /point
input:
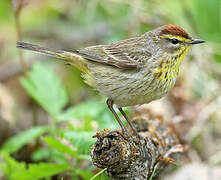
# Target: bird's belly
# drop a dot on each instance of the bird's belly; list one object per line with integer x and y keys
{"x": 155, "y": 91}
{"x": 127, "y": 87}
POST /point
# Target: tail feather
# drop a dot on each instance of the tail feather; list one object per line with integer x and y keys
{"x": 42, "y": 50}
{"x": 71, "y": 57}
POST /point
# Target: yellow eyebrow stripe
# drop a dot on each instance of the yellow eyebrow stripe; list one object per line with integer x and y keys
{"x": 180, "y": 38}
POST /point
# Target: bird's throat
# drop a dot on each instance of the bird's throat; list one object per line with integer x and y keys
{"x": 169, "y": 68}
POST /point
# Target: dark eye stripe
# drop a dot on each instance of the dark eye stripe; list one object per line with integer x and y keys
{"x": 173, "y": 40}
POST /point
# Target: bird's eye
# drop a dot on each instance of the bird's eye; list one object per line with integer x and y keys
{"x": 174, "y": 41}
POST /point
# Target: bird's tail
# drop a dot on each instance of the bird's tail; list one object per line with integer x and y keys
{"x": 71, "y": 57}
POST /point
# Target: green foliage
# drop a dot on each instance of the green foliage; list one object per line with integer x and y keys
{"x": 45, "y": 88}
{"x": 41, "y": 154}
{"x": 154, "y": 172}
{"x": 91, "y": 110}
{"x": 209, "y": 11}
{"x": 85, "y": 174}
{"x": 81, "y": 140}
{"x": 14, "y": 143}
{"x": 14, "y": 170}
{"x": 100, "y": 175}
{"x": 37, "y": 83}
{"x": 84, "y": 110}
{"x": 56, "y": 144}
{"x": 4, "y": 10}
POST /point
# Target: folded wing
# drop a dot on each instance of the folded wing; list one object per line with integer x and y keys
{"x": 126, "y": 54}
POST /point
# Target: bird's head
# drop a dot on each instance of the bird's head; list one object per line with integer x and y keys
{"x": 175, "y": 41}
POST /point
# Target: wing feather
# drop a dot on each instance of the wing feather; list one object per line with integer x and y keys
{"x": 126, "y": 54}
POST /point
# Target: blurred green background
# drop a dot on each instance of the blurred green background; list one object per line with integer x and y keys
{"x": 48, "y": 115}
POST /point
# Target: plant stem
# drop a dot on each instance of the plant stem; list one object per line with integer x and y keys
{"x": 98, "y": 174}
{"x": 17, "y": 13}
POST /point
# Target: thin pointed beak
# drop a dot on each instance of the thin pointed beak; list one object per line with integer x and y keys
{"x": 196, "y": 41}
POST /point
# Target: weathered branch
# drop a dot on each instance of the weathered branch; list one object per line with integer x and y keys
{"x": 136, "y": 158}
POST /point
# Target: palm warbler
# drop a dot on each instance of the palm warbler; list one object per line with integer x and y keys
{"x": 132, "y": 71}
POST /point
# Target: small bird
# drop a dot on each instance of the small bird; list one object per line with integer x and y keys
{"x": 132, "y": 71}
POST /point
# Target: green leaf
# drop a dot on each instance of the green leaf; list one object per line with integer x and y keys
{"x": 83, "y": 141}
{"x": 49, "y": 154}
{"x": 58, "y": 157}
{"x": 14, "y": 143}
{"x": 45, "y": 88}
{"x": 10, "y": 165}
{"x": 210, "y": 27}
{"x": 56, "y": 144}
{"x": 41, "y": 154}
{"x": 14, "y": 170}
{"x": 154, "y": 172}
{"x": 5, "y": 8}
{"x": 85, "y": 174}
{"x": 98, "y": 175}
{"x": 87, "y": 109}
{"x": 93, "y": 110}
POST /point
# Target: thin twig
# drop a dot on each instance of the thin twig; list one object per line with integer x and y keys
{"x": 17, "y": 11}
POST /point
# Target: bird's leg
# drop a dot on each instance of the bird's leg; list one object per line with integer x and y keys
{"x": 110, "y": 104}
{"x": 129, "y": 122}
